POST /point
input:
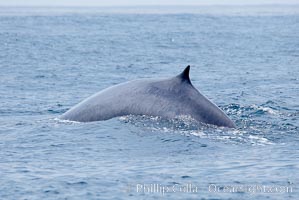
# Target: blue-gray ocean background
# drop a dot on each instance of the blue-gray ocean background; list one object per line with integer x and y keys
{"x": 245, "y": 59}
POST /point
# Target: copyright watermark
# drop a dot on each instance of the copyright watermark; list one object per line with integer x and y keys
{"x": 156, "y": 188}
{"x": 162, "y": 189}
{"x": 214, "y": 188}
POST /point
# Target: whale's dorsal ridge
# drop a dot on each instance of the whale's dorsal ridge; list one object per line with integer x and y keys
{"x": 184, "y": 76}
{"x": 167, "y": 98}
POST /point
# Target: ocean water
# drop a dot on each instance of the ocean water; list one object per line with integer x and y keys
{"x": 245, "y": 59}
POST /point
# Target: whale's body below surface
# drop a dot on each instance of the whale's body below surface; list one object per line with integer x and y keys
{"x": 167, "y": 98}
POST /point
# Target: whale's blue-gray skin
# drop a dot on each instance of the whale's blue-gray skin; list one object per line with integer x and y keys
{"x": 167, "y": 98}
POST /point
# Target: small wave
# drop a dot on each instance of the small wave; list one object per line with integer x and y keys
{"x": 236, "y": 109}
{"x": 262, "y": 110}
{"x": 258, "y": 140}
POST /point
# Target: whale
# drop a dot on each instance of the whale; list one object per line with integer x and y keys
{"x": 167, "y": 98}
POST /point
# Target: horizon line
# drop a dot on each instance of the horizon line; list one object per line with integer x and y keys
{"x": 149, "y": 5}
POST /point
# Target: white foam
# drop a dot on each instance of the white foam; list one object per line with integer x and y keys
{"x": 265, "y": 109}
{"x": 258, "y": 140}
{"x": 65, "y": 121}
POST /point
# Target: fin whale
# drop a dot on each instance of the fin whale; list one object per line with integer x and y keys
{"x": 167, "y": 98}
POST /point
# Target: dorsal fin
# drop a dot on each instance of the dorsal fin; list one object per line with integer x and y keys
{"x": 184, "y": 76}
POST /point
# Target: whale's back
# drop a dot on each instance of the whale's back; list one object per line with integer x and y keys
{"x": 166, "y": 98}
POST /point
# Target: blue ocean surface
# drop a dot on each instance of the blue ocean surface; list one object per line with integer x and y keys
{"x": 245, "y": 59}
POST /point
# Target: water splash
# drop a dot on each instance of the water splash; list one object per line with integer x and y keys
{"x": 185, "y": 125}
{"x": 257, "y": 125}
